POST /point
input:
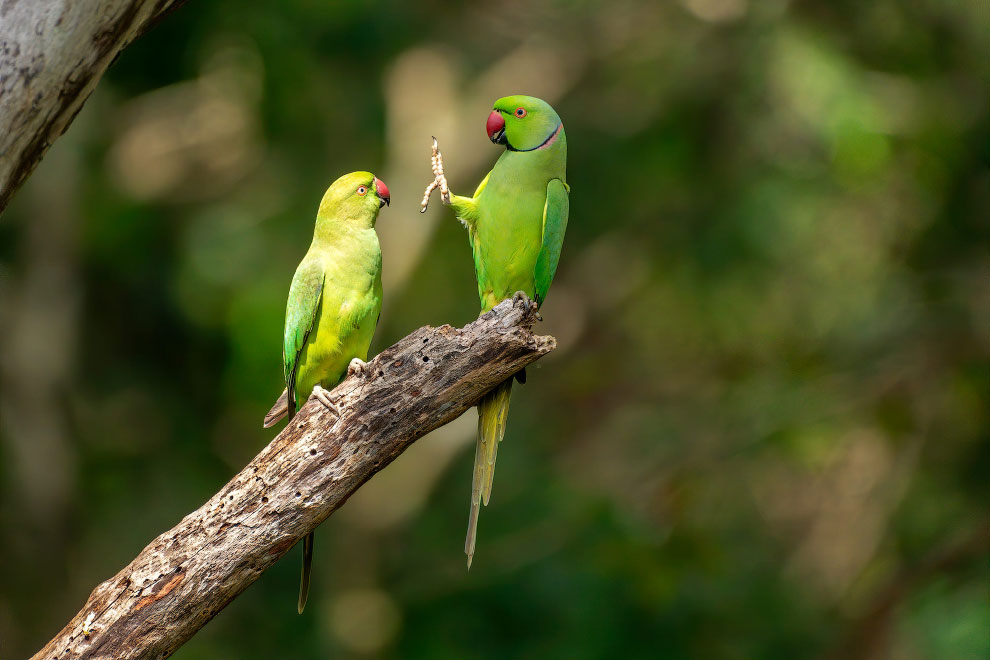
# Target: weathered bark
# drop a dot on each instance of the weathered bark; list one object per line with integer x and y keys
{"x": 52, "y": 54}
{"x": 189, "y": 573}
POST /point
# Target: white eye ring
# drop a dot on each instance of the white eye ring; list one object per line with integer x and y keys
{"x": 362, "y": 190}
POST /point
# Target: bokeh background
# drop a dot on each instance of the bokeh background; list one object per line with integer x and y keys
{"x": 764, "y": 433}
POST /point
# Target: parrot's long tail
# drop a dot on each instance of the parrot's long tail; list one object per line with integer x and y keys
{"x": 278, "y": 411}
{"x": 307, "y": 571}
{"x": 493, "y": 410}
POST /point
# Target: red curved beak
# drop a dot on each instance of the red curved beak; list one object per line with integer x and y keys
{"x": 382, "y": 191}
{"x": 496, "y": 127}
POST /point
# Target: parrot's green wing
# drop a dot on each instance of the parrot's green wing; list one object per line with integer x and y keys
{"x": 300, "y": 315}
{"x": 554, "y": 225}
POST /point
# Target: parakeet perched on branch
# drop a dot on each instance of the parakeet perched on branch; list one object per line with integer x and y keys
{"x": 333, "y": 306}
{"x": 516, "y": 222}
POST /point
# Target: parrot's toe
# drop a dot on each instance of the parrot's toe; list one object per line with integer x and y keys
{"x": 426, "y": 196}
{"x": 323, "y": 396}
{"x": 439, "y": 179}
{"x": 356, "y": 366}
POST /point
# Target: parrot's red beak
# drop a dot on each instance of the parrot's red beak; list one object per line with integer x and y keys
{"x": 382, "y": 191}
{"x": 496, "y": 127}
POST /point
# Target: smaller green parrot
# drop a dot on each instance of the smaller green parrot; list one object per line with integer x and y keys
{"x": 516, "y": 221}
{"x": 333, "y": 306}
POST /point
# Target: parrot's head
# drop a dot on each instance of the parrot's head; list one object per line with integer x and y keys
{"x": 523, "y": 123}
{"x": 357, "y": 196}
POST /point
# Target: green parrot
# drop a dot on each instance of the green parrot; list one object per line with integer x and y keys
{"x": 333, "y": 306}
{"x": 515, "y": 222}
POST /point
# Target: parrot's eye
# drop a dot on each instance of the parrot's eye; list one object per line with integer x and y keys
{"x": 362, "y": 190}
{"x": 520, "y": 112}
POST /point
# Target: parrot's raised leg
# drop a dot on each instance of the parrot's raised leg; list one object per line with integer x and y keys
{"x": 323, "y": 396}
{"x": 356, "y": 366}
{"x": 439, "y": 180}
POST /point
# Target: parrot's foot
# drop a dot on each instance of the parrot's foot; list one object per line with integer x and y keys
{"x": 439, "y": 180}
{"x": 357, "y": 366}
{"x": 520, "y": 297}
{"x": 323, "y": 396}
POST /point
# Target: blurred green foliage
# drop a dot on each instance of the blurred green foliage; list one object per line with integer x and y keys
{"x": 764, "y": 434}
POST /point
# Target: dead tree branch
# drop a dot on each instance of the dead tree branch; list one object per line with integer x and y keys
{"x": 52, "y": 54}
{"x": 188, "y": 574}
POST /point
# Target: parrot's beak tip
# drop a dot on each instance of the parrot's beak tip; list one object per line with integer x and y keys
{"x": 495, "y": 127}
{"x": 383, "y": 197}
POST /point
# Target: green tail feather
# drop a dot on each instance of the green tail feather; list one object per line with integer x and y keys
{"x": 307, "y": 548}
{"x": 307, "y": 571}
{"x": 493, "y": 410}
